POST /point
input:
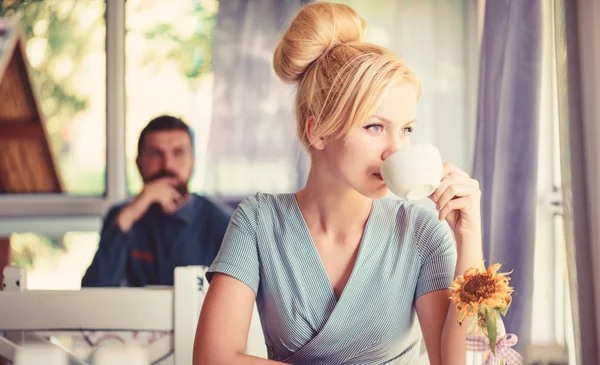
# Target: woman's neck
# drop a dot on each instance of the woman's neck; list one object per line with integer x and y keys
{"x": 332, "y": 207}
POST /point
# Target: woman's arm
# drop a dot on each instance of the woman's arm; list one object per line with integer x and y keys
{"x": 458, "y": 201}
{"x": 224, "y": 324}
{"x": 444, "y": 337}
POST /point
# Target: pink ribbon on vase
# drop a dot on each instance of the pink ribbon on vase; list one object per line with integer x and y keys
{"x": 480, "y": 343}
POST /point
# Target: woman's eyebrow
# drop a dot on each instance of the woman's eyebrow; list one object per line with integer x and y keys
{"x": 387, "y": 121}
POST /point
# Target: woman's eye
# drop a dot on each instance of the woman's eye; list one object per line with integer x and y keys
{"x": 407, "y": 130}
{"x": 375, "y": 127}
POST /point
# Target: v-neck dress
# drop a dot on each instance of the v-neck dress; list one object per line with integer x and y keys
{"x": 405, "y": 252}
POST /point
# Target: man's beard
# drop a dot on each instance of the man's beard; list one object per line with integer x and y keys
{"x": 181, "y": 187}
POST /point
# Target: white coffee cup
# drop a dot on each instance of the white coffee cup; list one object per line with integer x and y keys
{"x": 413, "y": 172}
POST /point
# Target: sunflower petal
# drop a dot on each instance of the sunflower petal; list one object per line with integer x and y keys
{"x": 461, "y": 317}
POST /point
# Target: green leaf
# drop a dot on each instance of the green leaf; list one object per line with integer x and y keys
{"x": 491, "y": 328}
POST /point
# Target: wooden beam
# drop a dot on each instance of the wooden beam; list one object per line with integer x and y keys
{"x": 4, "y": 253}
{"x": 21, "y": 130}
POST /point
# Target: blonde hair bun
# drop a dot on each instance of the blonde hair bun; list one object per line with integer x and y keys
{"x": 316, "y": 29}
{"x": 340, "y": 79}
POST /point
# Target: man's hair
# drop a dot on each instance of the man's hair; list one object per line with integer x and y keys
{"x": 164, "y": 123}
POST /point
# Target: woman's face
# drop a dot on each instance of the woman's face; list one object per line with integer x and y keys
{"x": 356, "y": 162}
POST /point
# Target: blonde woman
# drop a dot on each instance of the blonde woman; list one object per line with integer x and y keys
{"x": 338, "y": 271}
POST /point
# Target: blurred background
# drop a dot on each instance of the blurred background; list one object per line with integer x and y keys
{"x": 103, "y": 68}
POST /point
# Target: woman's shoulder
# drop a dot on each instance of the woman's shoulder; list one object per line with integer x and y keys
{"x": 265, "y": 204}
{"x": 260, "y": 201}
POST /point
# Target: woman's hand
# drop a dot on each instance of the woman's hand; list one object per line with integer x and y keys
{"x": 458, "y": 201}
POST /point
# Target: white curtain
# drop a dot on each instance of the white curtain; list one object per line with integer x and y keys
{"x": 578, "y": 72}
{"x": 438, "y": 40}
{"x": 252, "y": 145}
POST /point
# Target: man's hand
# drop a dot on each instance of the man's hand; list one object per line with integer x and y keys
{"x": 161, "y": 191}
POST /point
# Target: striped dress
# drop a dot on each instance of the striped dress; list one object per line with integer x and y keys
{"x": 405, "y": 252}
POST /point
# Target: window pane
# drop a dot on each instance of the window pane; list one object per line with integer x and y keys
{"x": 65, "y": 46}
{"x": 54, "y": 263}
{"x": 168, "y": 71}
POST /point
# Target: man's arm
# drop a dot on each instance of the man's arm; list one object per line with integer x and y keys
{"x": 109, "y": 263}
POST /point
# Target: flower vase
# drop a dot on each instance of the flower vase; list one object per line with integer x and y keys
{"x": 475, "y": 330}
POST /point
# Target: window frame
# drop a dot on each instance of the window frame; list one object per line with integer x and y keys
{"x": 53, "y": 213}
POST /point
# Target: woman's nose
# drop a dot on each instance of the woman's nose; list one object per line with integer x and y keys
{"x": 394, "y": 145}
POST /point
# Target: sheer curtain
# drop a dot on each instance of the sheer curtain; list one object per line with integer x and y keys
{"x": 578, "y": 72}
{"x": 252, "y": 144}
{"x": 437, "y": 39}
{"x": 506, "y": 152}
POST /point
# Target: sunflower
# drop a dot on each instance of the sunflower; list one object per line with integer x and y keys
{"x": 478, "y": 291}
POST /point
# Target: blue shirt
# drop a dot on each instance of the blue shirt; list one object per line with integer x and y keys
{"x": 157, "y": 243}
{"x": 405, "y": 252}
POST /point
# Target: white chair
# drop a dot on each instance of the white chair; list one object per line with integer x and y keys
{"x": 37, "y": 354}
{"x": 120, "y": 355}
{"x": 29, "y": 315}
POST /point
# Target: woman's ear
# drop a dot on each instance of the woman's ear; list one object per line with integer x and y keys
{"x": 314, "y": 140}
